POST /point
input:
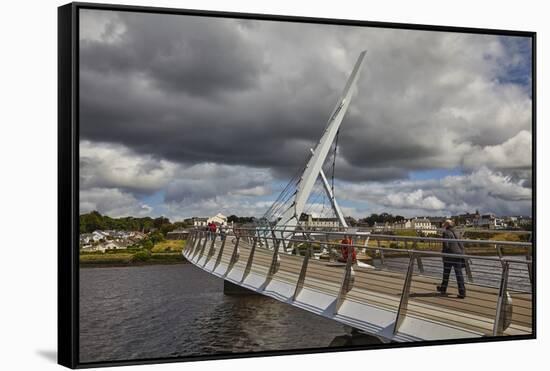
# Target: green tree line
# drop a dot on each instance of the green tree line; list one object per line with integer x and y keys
{"x": 381, "y": 218}
{"x": 94, "y": 220}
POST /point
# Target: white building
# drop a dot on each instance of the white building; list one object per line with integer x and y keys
{"x": 99, "y": 235}
{"x": 85, "y": 238}
{"x": 382, "y": 227}
{"x": 423, "y": 225}
{"x": 310, "y": 222}
{"x": 108, "y": 245}
{"x": 490, "y": 221}
{"x": 219, "y": 219}
{"x": 200, "y": 222}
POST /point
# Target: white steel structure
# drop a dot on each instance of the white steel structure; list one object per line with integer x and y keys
{"x": 290, "y": 217}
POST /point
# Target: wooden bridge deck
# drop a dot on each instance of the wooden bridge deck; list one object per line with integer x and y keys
{"x": 376, "y": 288}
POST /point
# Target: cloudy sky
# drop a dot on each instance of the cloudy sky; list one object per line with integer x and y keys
{"x": 189, "y": 116}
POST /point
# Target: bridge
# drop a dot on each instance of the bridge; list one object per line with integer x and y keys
{"x": 390, "y": 290}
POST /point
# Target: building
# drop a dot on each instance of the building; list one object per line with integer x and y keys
{"x": 490, "y": 221}
{"x": 138, "y": 235}
{"x": 423, "y": 225}
{"x": 107, "y": 245}
{"x": 199, "y": 222}
{"x": 402, "y": 224}
{"x": 99, "y": 235}
{"x": 467, "y": 219}
{"x": 85, "y": 238}
{"x": 309, "y": 222}
{"x": 382, "y": 227}
{"x": 315, "y": 223}
{"x": 218, "y": 219}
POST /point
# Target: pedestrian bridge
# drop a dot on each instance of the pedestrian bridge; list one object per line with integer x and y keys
{"x": 390, "y": 292}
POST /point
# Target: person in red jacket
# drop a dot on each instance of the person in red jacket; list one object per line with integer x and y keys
{"x": 213, "y": 229}
{"x": 345, "y": 247}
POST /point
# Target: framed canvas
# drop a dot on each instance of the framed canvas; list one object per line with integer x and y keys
{"x": 240, "y": 185}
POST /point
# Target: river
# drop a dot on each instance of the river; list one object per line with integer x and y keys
{"x": 130, "y": 313}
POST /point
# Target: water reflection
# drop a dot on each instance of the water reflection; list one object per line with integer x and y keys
{"x": 166, "y": 311}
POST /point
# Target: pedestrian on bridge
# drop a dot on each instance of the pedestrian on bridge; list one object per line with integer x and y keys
{"x": 345, "y": 246}
{"x": 449, "y": 262}
{"x": 212, "y": 230}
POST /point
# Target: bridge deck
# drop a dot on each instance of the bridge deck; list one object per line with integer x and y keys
{"x": 376, "y": 289}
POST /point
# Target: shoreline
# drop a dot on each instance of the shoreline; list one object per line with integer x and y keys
{"x": 130, "y": 264}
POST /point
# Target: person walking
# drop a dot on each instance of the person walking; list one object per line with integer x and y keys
{"x": 213, "y": 228}
{"x": 449, "y": 262}
{"x": 208, "y": 233}
{"x": 345, "y": 247}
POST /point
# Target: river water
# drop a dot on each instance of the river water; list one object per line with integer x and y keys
{"x": 180, "y": 310}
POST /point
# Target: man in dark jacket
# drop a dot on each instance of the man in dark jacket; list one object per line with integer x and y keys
{"x": 450, "y": 247}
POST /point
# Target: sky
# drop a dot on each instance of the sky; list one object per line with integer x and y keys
{"x": 187, "y": 116}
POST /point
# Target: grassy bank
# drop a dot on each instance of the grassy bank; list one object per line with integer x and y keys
{"x": 164, "y": 252}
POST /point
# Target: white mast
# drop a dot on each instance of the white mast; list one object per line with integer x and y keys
{"x": 332, "y": 199}
{"x": 290, "y": 217}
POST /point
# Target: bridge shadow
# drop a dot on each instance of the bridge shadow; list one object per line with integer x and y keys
{"x": 356, "y": 338}
{"x": 427, "y": 295}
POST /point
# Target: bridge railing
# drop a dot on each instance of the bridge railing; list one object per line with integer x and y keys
{"x": 389, "y": 251}
{"x": 488, "y": 263}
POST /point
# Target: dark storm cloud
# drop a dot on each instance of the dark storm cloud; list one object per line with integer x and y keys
{"x": 177, "y": 57}
{"x": 194, "y": 90}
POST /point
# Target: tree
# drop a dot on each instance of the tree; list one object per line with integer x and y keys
{"x": 156, "y": 237}
{"x": 382, "y": 218}
{"x": 160, "y": 221}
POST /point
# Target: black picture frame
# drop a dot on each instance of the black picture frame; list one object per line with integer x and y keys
{"x": 68, "y": 176}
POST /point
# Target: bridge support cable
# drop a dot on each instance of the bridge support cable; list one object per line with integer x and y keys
{"x": 329, "y": 190}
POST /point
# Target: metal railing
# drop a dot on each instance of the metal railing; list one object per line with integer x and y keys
{"x": 413, "y": 256}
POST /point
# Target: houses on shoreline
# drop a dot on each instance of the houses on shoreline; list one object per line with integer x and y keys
{"x": 101, "y": 240}
{"x": 430, "y": 225}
